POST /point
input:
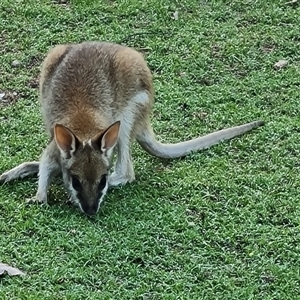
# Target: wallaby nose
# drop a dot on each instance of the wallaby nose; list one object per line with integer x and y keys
{"x": 90, "y": 210}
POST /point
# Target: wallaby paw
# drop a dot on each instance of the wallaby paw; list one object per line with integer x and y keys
{"x": 5, "y": 177}
{"x": 69, "y": 200}
{"x": 116, "y": 179}
{"x": 37, "y": 199}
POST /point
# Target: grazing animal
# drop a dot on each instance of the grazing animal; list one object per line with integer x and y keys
{"x": 97, "y": 97}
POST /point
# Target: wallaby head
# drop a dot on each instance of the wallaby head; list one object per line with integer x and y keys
{"x": 85, "y": 165}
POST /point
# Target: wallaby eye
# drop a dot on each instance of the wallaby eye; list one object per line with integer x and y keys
{"x": 102, "y": 183}
{"x": 76, "y": 183}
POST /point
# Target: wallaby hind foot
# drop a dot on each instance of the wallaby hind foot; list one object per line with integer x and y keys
{"x": 23, "y": 170}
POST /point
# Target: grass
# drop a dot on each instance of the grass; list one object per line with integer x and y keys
{"x": 220, "y": 224}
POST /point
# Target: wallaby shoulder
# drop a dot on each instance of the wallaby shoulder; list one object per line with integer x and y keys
{"x": 52, "y": 60}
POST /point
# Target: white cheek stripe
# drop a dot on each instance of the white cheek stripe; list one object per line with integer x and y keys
{"x": 76, "y": 200}
{"x": 104, "y": 191}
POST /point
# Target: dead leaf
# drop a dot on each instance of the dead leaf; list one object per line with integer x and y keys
{"x": 281, "y": 64}
{"x": 291, "y": 2}
{"x": 34, "y": 61}
{"x": 16, "y": 63}
{"x": 216, "y": 51}
{"x": 72, "y": 231}
{"x": 6, "y": 269}
{"x": 33, "y": 83}
{"x": 191, "y": 224}
{"x": 200, "y": 115}
{"x": 63, "y": 2}
{"x": 175, "y": 15}
{"x": 8, "y": 97}
{"x": 268, "y": 48}
{"x": 183, "y": 106}
{"x": 267, "y": 278}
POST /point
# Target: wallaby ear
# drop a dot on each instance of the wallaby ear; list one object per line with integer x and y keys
{"x": 108, "y": 139}
{"x": 65, "y": 140}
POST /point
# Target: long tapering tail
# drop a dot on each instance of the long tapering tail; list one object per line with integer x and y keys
{"x": 148, "y": 141}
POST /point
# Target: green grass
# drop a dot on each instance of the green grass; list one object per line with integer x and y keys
{"x": 218, "y": 224}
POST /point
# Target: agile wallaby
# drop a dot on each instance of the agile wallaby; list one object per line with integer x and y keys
{"x": 95, "y": 97}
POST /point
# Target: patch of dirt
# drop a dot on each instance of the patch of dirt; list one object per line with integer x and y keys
{"x": 63, "y": 3}
{"x": 204, "y": 81}
{"x": 183, "y": 106}
{"x": 8, "y": 98}
{"x": 200, "y": 215}
{"x": 268, "y": 47}
{"x": 240, "y": 73}
{"x": 200, "y": 115}
{"x": 144, "y": 50}
{"x": 247, "y": 22}
{"x": 33, "y": 83}
{"x": 216, "y": 51}
{"x": 34, "y": 61}
{"x": 266, "y": 278}
{"x": 138, "y": 261}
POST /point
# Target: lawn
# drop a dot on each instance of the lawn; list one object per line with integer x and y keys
{"x": 223, "y": 223}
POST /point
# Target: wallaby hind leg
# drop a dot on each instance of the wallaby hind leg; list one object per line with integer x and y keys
{"x": 139, "y": 105}
{"x": 124, "y": 171}
{"x": 21, "y": 171}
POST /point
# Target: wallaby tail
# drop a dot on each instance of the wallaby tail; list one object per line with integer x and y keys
{"x": 147, "y": 140}
{"x": 20, "y": 171}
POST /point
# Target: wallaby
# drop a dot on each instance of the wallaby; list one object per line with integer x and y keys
{"x": 97, "y": 97}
